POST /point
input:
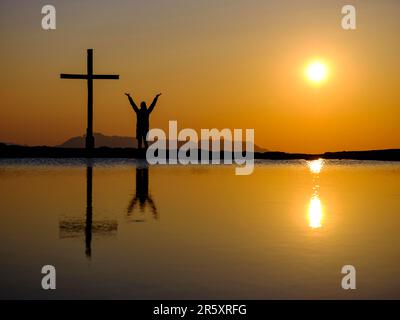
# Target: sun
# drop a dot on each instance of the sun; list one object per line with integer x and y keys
{"x": 317, "y": 71}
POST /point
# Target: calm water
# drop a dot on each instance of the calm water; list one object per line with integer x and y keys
{"x": 116, "y": 229}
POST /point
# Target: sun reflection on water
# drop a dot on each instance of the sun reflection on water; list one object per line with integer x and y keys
{"x": 315, "y": 211}
{"x": 315, "y": 166}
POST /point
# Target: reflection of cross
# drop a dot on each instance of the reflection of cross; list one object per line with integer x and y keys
{"x": 74, "y": 227}
{"x": 89, "y": 77}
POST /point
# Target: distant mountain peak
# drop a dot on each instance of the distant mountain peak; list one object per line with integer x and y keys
{"x": 102, "y": 140}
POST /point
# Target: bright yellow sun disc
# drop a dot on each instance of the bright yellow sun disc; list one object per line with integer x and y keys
{"x": 316, "y": 72}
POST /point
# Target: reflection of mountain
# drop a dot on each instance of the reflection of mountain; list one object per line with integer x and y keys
{"x": 74, "y": 227}
{"x": 117, "y": 142}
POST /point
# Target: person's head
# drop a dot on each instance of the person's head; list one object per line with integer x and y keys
{"x": 143, "y": 105}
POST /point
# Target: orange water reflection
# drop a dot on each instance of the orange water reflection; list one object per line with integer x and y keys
{"x": 315, "y": 209}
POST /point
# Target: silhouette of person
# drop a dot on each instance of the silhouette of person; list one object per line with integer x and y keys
{"x": 142, "y": 119}
{"x": 142, "y": 194}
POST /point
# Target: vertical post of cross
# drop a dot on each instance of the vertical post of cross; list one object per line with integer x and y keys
{"x": 89, "y": 77}
{"x": 89, "y": 130}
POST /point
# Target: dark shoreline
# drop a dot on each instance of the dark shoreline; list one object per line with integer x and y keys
{"x": 13, "y": 151}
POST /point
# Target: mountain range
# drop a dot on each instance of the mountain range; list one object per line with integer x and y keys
{"x": 102, "y": 140}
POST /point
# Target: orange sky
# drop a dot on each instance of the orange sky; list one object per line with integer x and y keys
{"x": 223, "y": 64}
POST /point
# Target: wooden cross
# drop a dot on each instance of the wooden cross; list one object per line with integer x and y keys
{"x": 89, "y": 77}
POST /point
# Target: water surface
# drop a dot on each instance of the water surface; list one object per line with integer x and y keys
{"x": 118, "y": 229}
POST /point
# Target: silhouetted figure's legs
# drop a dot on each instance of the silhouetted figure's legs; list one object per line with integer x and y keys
{"x": 146, "y": 145}
{"x": 142, "y": 136}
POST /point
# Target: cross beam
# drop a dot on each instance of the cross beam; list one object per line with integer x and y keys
{"x": 89, "y": 77}
{"x": 85, "y": 76}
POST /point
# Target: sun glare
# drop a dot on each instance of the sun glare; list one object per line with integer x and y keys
{"x": 316, "y": 71}
{"x": 315, "y": 166}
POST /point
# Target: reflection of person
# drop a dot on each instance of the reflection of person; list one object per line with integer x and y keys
{"x": 142, "y": 192}
{"x": 142, "y": 118}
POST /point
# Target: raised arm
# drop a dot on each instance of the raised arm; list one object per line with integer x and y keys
{"x": 133, "y": 104}
{"x": 153, "y": 104}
